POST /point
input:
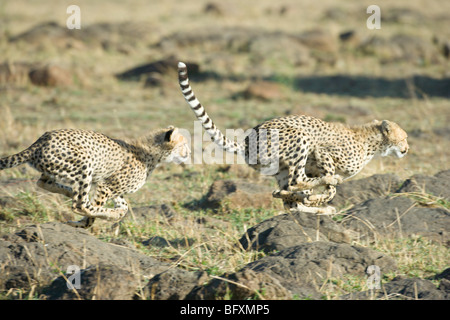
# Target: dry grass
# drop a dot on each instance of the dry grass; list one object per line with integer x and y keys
{"x": 98, "y": 101}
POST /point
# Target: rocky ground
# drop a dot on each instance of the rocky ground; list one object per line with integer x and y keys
{"x": 304, "y": 252}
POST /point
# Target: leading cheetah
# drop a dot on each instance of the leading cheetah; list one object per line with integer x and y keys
{"x": 72, "y": 161}
{"x": 310, "y": 152}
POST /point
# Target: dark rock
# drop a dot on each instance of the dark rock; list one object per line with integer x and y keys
{"x": 438, "y": 185}
{"x": 398, "y": 216}
{"x": 214, "y": 8}
{"x": 402, "y": 289}
{"x": 356, "y": 191}
{"x": 173, "y": 284}
{"x": 310, "y": 264}
{"x": 291, "y": 229}
{"x": 100, "y": 282}
{"x": 161, "y": 242}
{"x": 38, "y": 254}
{"x": 244, "y": 285}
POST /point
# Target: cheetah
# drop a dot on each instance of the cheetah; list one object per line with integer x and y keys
{"x": 310, "y": 152}
{"x": 72, "y": 161}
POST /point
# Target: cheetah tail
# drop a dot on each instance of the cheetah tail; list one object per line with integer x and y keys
{"x": 16, "y": 159}
{"x": 200, "y": 112}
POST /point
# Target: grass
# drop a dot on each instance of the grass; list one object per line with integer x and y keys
{"x": 98, "y": 101}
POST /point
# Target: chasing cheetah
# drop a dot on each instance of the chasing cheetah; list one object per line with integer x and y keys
{"x": 309, "y": 151}
{"x": 73, "y": 161}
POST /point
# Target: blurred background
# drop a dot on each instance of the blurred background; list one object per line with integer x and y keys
{"x": 249, "y": 61}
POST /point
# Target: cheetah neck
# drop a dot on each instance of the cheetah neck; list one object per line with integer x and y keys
{"x": 145, "y": 150}
{"x": 370, "y": 136}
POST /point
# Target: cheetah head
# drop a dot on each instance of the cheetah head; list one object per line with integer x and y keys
{"x": 394, "y": 139}
{"x": 178, "y": 144}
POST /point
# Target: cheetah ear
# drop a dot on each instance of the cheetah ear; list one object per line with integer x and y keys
{"x": 170, "y": 134}
{"x": 385, "y": 126}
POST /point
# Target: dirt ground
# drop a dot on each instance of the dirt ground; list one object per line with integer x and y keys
{"x": 249, "y": 61}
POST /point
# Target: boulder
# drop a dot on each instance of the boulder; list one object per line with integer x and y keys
{"x": 398, "y": 217}
{"x": 437, "y": 185}
{"x": 356, "y": 191}
{"x": 99, "y": 282}
{"x": 309, "y": 265}
{"x": 244, "y": 285}
{"x": 403, "y": 289}
{"x": 291, "y": 229}
{"x": 173, "y": 284}
{"x": 36, "y": 255}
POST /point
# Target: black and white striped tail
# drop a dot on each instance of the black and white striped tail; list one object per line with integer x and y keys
{"x": 200, "y": 112}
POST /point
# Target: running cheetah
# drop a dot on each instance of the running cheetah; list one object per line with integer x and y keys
{"x": 309, "y": 151}
{"x": 72, "y": 161}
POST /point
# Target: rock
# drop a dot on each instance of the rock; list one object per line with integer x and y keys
{"x": 356, "y": 191}
{"x": 161, "y": 242}
{"x": 438, "y": 185}
{"x": 263, "y": 90}
{"x": 173, "y": 284}
{"x": 403, "y": 289}
{"x": 291, "y": 229}
{"x": 308, "y": 265}
{"x": 235, "y": 194}
{"x": 244, "y": 285}
{"x": 38, "y": 254}
{"x": 214, "y": 8}
{"x": 398, "y": 216}
{"x": 350, "y": 38}
{"x": 51, "y": 76}
{"x": 100, "y": 282}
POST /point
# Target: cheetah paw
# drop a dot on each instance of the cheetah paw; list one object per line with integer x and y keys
{"x": 315, "y": 200}
{"x": 333, "y": 180}
{"x": 326, "y": 211}
{"x": 117, "y": 215}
